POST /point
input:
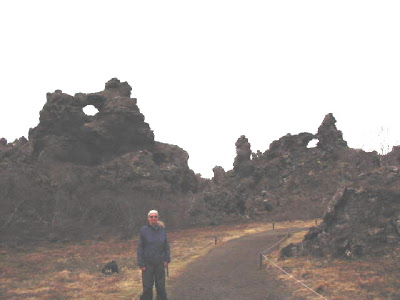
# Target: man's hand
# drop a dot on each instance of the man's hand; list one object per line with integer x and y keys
{"x": 143, "y": 269}
{"x": 165, "y": 264}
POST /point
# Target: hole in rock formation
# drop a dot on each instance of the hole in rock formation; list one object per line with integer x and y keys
{"x": 313, "y": 143}
{"x": 90, "y": 110}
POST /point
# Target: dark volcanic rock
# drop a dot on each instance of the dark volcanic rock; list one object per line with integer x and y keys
{"x": 82, "y": 176}
{"x": 219, "y": 175}
{"x": 287, "y": 181}
{"x": 358, "y": 221}
{"x": 242, "y": 164}
{"x": 289, "y": 144}
{"x": 65, "y": 133}
{"x": 392, "y": 158}
{"x": 330, "y": 138}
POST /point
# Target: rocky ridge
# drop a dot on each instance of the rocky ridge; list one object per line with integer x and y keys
{"x": 355, "y": 192}
{"x": 287, "y": 181}
{"x": 80, "y": 176}
{"x": 84, "y": 176}
{"x": 361, "y": 220}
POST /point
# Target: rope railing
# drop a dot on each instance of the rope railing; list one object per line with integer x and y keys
{"x": 291, "y": 276}
{"x": 263, "y": 255}
{"x": 276, "y": 244}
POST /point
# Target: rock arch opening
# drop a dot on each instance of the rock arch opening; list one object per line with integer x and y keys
{"x": 90, "y": 110}
{"x": 313, "y": 143}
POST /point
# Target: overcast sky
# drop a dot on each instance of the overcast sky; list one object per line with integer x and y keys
{"x": 207, "y": 72}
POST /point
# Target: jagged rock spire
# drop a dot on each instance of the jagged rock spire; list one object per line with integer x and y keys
{"x": 219, "y": 175}
{"x": 242, "y": 164}
{"x": 329, "y": 137}
{"x": 117, "y": 87}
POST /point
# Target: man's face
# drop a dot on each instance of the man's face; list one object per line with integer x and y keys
{"x": 153, "y": 218}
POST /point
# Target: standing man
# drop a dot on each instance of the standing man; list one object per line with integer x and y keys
{"x": 153, "y": 256}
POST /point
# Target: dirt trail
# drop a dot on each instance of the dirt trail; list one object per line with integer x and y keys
{"x": 231, "y": 271}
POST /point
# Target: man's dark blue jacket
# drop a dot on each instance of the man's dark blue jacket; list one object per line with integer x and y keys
{"x": 153, "y": 246}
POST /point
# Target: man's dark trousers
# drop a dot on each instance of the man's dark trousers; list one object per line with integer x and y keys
{"x": 154, "y": 274}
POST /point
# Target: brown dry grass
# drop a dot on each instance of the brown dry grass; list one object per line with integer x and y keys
{"x": 73, "y": 271}
{"x": 56, "y": 271}
{"x": 369, "y": 278}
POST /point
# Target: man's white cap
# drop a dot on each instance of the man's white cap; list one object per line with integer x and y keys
{"x": 152, "y": 212}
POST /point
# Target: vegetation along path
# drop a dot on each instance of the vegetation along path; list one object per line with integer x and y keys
{"x": 231, "y": 271}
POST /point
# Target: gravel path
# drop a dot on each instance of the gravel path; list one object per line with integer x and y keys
{"x": 231, "y": 271}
